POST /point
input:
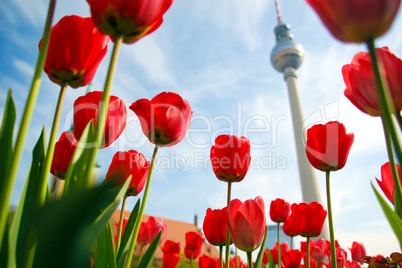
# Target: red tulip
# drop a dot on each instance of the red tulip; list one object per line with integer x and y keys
{"x": 292, "y": 258}
{"x": 246, "y": 223}
{"x": 125, "y": 164}
{"x": 341, "y": 257}
{"x": 361, "y": 88}
{"x": 170, "y": 260}
{"x": 274, "y": 251}
{"x": 291, "y": 227}
{"x": 165, "y": 119}
{"x": 358, "y": 251}
{"x": 125, "y": 221}
{"x": 149, "y": 230}
{"x": 310, "y": 217}
{"x": 328, "y": 146}
{"x": 230, "y": 157}
{"x": 352, "y": 264}
{"x": 318, "y": 249}
{"x": 171, "y": 247}
{"x": 233, "y": 263}
{"x": 356, "y": 20}
{"x": 215, "y": 226}
{"x": 133, "y": 19}
{"x": 387, "y": 182}
{"x": 86, "y": 108}
{"x": 279, "y": 210}
{"x": 207, "y": 262}
{"x": 63, "y": 152}
{"x": 194, "y": 242}
{"x": 75, "y": 51}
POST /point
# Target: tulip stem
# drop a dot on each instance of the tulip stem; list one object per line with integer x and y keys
{"x": 308, "y": 252}
{"x": 279, "y": 245}
{"x": 103, "y": 109}
{"x": 221, "y": 256}
{"x": 291, "y": 242}
{"x": 397, "y": 186}
{"x": 191, "y": 259}
{"x": 43, "y": 183}
{"x": 121, "y": 224}
{"x": 11, "y": 173}
{"x": 141, "y": 213}
{"x": 227, "y": 229}
{"x": 249, "y": 260}
{"x": 331, "y": 225}
{"x": 386, "y": 103}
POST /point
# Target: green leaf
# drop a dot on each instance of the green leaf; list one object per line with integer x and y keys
{"x": 78, "y": 163}
{"x": 126, "y": 239}
{"x": 6, "y": 137}
{"x": 393, "y": 218}
{"x": 146, "y": 261}
{"x": 270, "y": 260}
{"x": 258, "y": 261}
{"x": 69, "y": 227}
{"x": 105, "y": 249}
{"x": 26, "y": 238}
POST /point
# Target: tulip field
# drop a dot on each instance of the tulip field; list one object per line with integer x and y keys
{"x": 74, "y": 229}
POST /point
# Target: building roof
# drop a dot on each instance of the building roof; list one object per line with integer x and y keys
{"x": 176, "y": 231}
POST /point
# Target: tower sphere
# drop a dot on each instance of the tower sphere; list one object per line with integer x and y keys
{"x": 286, "y": 53}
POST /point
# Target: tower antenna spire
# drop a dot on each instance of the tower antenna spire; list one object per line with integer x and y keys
{"x": 278, "y": 11}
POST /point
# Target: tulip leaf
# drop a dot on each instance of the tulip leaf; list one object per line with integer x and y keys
{"x": 270, "y": 260}
{"x": 73, "y": 223}
{"x": 393, "y": 218}
{"x": 258, "y": 261}
{"x": 105, "y": 250}
{"x": 146, "y": 261}
{"x": 26, "y": 242}
{"x": 126, "y": 238}
{"x": 6, "y": 138}
{"x": 76, "y": 169}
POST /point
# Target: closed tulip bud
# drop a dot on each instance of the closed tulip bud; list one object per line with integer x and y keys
{"x": 215, "y": 226}
{"x": 310, "y": 217}
{"x": 171, "y": 247}
{"x": 63, "y": 153}
{"x": 86, "y": 108}
{"x": 328, "y": 146}
{"x": 133, "y": 19}
{"x": 230, "y": 157}
{"x": 279, "y": 210}
{"x": 165, "y": 119}
{"x": 356, "y": 20}
{"x": 246, "y": 235}
{"x": 76, "y": 48}
{"x": 170, "y": 260}
{"x": 358, "y": 251}
{"x": 292, "y": 258}
{"x": 125, "y": 164}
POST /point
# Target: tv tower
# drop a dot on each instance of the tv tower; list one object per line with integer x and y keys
{"x": 286, "y": 57}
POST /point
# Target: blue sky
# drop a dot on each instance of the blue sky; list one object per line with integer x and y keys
{"x": 216, "y": 54}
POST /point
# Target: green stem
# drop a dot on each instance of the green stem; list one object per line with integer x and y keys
{"x": 141, "y": 213}
{"x": 237, "y": 259}
{"x": 331, "y": 225}
{"x": 121, "y": 224}
{"x": 291, "y": 242}
{"x": 43, "y": 183}
{"x": 191, "y": 260}
{"x": 11, "y": 173}
{"x": 221, "y": 256}
{"x": 308, "y": 252}
{"x": 227, "y": 229}
{"x": 104, "y": 104}
{"x": 249, "y": 260}
{"x": 397, "y": 186}
{"x": 140, "y": 257}
{"x": 279, "y": 245}
{"x": 386, "y": 103}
